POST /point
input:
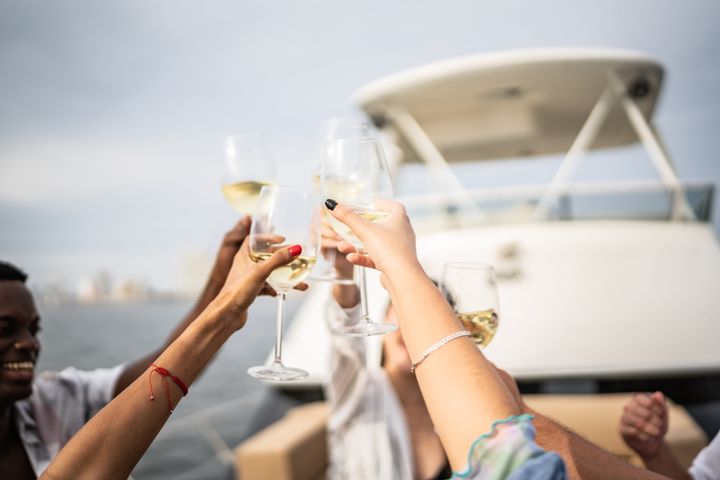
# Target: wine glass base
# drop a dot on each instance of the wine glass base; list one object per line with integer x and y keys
{"x": 277, "y": 372}
{"x": 366, "y": 329}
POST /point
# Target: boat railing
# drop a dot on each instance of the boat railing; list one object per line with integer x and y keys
{"x": 579, "y": 201}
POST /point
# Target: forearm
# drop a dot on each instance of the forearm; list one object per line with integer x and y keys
{"x": 462, "y": 391}
{"x": 583, "y": 459}
{"x": 665, "y": 463}
{"x": 346, "y": 295}
{"x": 115, "y": 439}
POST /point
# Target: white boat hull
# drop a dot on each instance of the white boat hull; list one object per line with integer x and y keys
{"x": 600, "y": 299}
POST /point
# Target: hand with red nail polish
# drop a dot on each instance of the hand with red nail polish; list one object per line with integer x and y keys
{"x": 246, "y": 280}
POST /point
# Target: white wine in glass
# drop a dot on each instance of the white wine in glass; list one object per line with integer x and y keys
{"x": 287, "y": 276}
{"x": 243, "y": 195}
{"x": 355, "y": 173}
{"x": 248, "y": 167}
{"x": 471, "y": 290}
{"x": 284, "y": 217}
{"x": 369, "y": 214}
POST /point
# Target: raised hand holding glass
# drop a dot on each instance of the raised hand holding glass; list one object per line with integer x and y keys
{"x": 284, "y": 216}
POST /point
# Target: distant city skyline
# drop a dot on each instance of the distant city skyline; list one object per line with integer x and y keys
{"x": 112, "y": 115}
{"x": 102, "y": 288}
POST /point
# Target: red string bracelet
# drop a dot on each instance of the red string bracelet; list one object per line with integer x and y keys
{"x": 164, "y": 373}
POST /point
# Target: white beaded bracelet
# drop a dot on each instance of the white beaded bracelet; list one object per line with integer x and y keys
{"x": 438, "y": 344}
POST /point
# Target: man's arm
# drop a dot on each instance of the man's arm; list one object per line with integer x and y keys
{"x": 230, "y": 245}
{"x": 584, "y": 459}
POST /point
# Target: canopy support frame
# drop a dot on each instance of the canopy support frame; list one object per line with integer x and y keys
{"x": 658, "y": 155}
{"x": 613, "y": 93}
{"x": 579, "y": 148}
{"x": 415, "y": 135}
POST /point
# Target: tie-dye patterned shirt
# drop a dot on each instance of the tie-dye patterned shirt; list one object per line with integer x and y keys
{"x": 509, "y": 451}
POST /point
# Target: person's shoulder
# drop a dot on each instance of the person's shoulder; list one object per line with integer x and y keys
{"x": 72, "y": 381}
{"x": 67, "y": 381}
{"x": 74, "y": 392}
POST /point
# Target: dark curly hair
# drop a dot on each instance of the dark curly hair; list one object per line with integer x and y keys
{"x": 10, "y": 272}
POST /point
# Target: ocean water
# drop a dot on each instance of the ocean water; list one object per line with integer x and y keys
{"x": 222, "y": 405}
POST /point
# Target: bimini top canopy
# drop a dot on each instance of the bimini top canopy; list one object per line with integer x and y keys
{"x": 515, "y": 103}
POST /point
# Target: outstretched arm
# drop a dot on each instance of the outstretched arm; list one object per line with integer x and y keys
{"x": 111, "y": 444}
{"x": 583, "y": 459}
{"x": 463, "y": 392}
{"x": 231, "y": 243}
{"x": 228, "y": 248}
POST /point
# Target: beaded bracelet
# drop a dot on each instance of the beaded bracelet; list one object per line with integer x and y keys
{"x": 436, "y": 345}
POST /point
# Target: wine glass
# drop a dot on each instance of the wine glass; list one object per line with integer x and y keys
{"x": 248, "y": 167}
{"x": 284, "y": 216}
{"x": 332, "y": 129}
{"x": 355, "y": 172}
{"x": 471, "y": 290}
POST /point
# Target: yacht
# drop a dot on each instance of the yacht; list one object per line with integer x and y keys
{"x": 606, "y": 281}
{"x": 605, "y": 286}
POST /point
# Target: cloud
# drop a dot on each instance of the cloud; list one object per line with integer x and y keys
{"x": 75, "y": 168}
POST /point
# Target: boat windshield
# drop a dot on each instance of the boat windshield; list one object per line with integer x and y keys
{"x": 637, "y": 201}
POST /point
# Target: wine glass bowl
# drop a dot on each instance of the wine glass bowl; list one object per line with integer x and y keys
{"x": 248, "y": 167}
{"x": 471, "y": 290}
{"x": 355, "y": 173}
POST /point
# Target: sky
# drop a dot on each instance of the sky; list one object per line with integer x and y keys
{"x": 112, "y": 114}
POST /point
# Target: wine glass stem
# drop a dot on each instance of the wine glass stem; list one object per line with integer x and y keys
{"x": 363, "y": 296}
{"x": 279, "y": 327}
